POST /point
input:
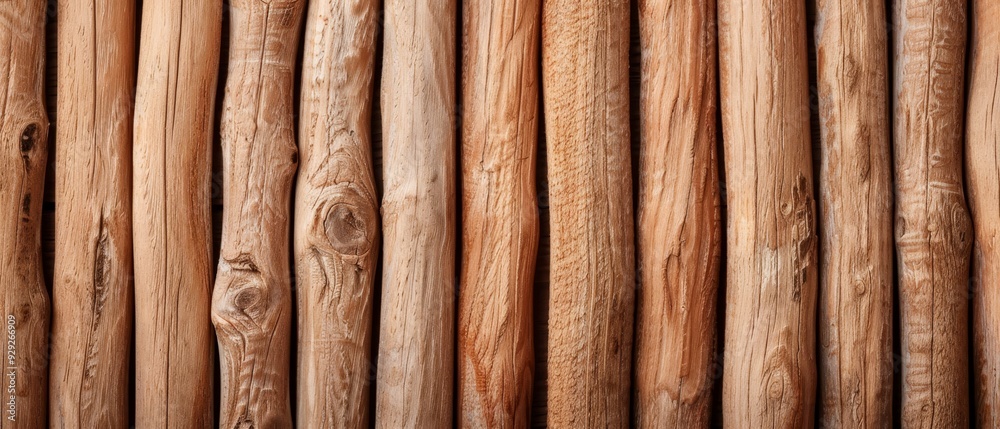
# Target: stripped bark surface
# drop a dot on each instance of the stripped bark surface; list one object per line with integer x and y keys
{"x": 172, "y": 218}
{"x": 770, "y": 371}
{"x": 856, "y": 279}
{"x": 585, "y": 78}
{"x": 933, "y": 230}
{"x": 92, "y": 288}
{"x": 499, "y": 212}
{"x": 251, "y": 303}
{"x": 417, "y": 332}
{"x": 679, "y": 227}
{"x": 23, "y": 151}
{"x": 336, "y": 216}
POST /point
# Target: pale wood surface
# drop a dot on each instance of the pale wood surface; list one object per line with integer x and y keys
{"x": 417, "y": 334}
{"x": 933, "y": 230}
{"x": 24, "y": 148}
{"x": 92, "y": 289}
{"x": 172, "y": 218}
{"x": 585, "y": 49}
{"x": 679, "y": 223}
{"x": 500, "y": 91}
{"x": 770, "y": 368}
{"x": 336, "y": 216}
{"x": 856, "y": 265}
{"x": 251, "y": 302}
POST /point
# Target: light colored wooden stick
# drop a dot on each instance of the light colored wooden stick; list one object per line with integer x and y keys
{"x": 172, "y": 215}
{"x": 983, "y": 167}
{"x": 679, "y": 216}
{"x": 92, "y": 290}
{"x": 23, "y": 151}
{"x": 856, "y": 295}
{"x": 933, "y": 231}
{"x": 585, "y": 80}
{"x": 770, "y": 370}
{"x": 499, "y": 211}
{"x": 336, "y": 216}
{"x": 417, "y": 332}
{"x": 251, "y": 303}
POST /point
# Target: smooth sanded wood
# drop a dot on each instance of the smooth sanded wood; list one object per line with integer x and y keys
{"x": 252, "y": 303}
{"x": 336, "y": 216}
{"x": 172, "y": 217}
{"x": 680, "y": 228}
{"x": 23, "y": 151}
{"x": 933, "y": 230}
{"x": 856, "y": 278}
{"x": 417, "y": 331}
{"x": 771, "y": 271}
{"x": 592, "y": 291}
{"x": 500, "y": 223}
{"x": 92, "y": 286}
{"x": 982, "y": 153}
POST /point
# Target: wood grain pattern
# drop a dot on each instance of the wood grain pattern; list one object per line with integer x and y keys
{"x": 983, "y": 170}
{"x": 92, "y": 289}
{"x": 933, "y": 230}
{"x": 499, "y": 211}
{"x": 252, "y": 303}
{"x": 417, "y": 332}
{"x": 336, "y": 216}
{"x": 856, "y": 279}
{"x": 586, "y": 101}
{"x": 24, "y": 128}
{"x": 679, "y": 227}
{"x": 770, "y": 371}
{"x": 172, "y": 218}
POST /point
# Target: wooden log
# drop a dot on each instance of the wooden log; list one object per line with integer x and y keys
{"x": 983, "y": 169}
{"x": 417, "y": 332}
{"x": 252, "y": 303}
{"x": 500, "y": 225}
{"x": 592, "y": 275}
{"x": 23, "y": 151}
{"x": 172, "y": 213}
{"x": 336, "y": 216}
{"x": 855, "y": 322}
{"x": 679, "y": 227}
{"x": 933, "y": 231}
{"x": 770, "y": 371}
{"x": 92, "y": 287}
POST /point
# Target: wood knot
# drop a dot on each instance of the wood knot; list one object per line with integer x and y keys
{"x": 350, "y": 224}
{"x": 247, "y": 298}
{"x": 29, "y": 137}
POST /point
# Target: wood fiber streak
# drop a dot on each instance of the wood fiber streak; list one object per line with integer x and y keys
{"x": 172, "y": 217}
{"x": 856, "y": 277}
{"x": 23, "y": 154}
{"x": 417, "y": 333}
{"x": 251, "y": 303}
{"x": 770, "y": 342}
{"x": 92, "y": 288}
{"x": 679, "y": 226}
{"x": 586, "y": 97}
{"x": 336, "y": 216}
{"x": 500, "y": 225}
{"x": 933, "y": 229}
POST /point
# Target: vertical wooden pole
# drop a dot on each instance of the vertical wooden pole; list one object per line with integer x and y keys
{"x": 585, "y": 80}
{"x": 933, "y": 231}
{"x": 770, "y": 371}
{"x": 251, "y": 303}
{"x": 92, "y": 290}
{"x": 336, "y": 216}
{"x": 856, "y": 278}
{"x": 417, "y": 333}
{"x": 172, "y": 213}
{"x": 679, "y": 225}
{"x": 23, "y": 151}
{"x": 499, "y": 211}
